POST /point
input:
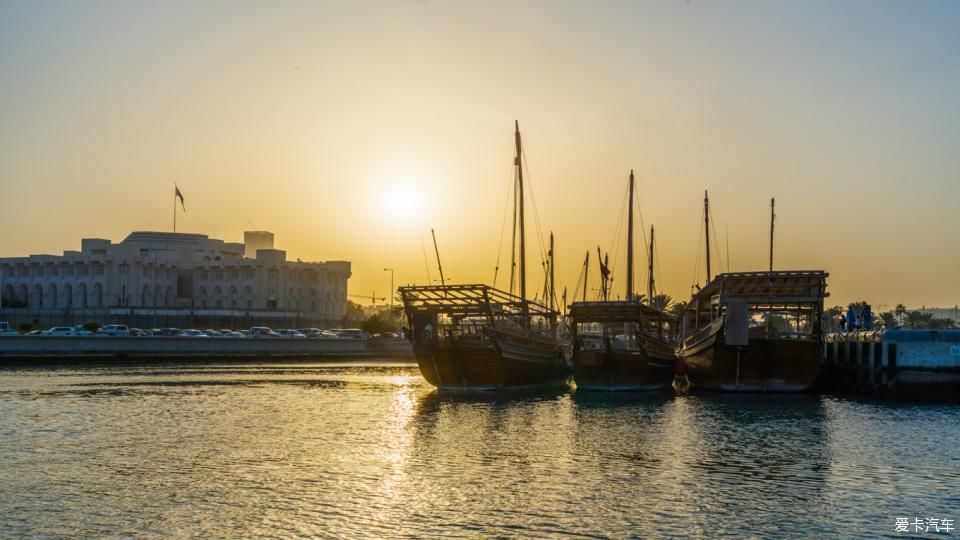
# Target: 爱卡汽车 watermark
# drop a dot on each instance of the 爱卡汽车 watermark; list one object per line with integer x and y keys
{"x": 918, "y": 525}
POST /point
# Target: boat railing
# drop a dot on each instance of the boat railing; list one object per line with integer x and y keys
{"x": 705, "y": 331}
{"x": 463, "y": 333}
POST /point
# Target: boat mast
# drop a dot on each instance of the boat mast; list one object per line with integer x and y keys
{"x": 523, "y": 247}
{"x": 437, "y": 251}
{"x": 650, "y": 281}
{"x": 586, "y": 272}
{"x": 773, "y": 216}
{"x": 630, "y": 243}
{"x": 513, "y": 241}
{"x": 551, "y": 271}
{"x": 706, "y": 221}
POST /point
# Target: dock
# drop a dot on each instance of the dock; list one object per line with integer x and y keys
{"x": 17, "y": 349}
{"x": 898, "y": 363}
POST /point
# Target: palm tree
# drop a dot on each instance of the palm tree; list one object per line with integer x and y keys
{"x": 677, "y": 308}
{"x": 900, "y": 310}
{"x": 661, "y": 302}
{"x": 833, "y": 316}
{"x": 888, "y": 320}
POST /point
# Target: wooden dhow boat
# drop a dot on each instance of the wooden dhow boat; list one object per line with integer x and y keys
{"x": 477, "y": 337}
{"x": 625, "y": 344}
{"x": 755, "y": 331}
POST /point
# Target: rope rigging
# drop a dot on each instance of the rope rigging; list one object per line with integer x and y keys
{"x": 503, "y": 228}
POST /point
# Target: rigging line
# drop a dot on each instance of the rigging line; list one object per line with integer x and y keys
{"x": 615, "y": 249}
{"x": 658, "y": 283}
{"x": 716, "y": 245}
{"x": 579, "y": 282}
{"x": 503, "y": 227}
{"x": 513, "y": 242}
{"x": 533, "y": 203}
{"x": 643, "y": 231}
{"x": 727, "y": 226}
{"x": 696, "y": 264}
{"x": 426, "y": 263}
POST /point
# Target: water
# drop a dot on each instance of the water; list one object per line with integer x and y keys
{"x": 362, "y": 450}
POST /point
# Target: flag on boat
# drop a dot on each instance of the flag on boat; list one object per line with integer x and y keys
{"x": 604, "y": 269}
{"x": 179, "y": 195}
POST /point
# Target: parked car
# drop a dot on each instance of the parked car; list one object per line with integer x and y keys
{"x": 262, "y": 331}
{"x": 232, "y": 334}
{"x": 58, "y": 331}
{"x": 212, "y": 333}
{"x": 8, "y": 332}
{"x": 354, "y": 333}
{"x": 35, "y": 333}
{"x": 288, "y": 333}
{"x": 137, "y": 332}
{"x": 193, "y": 333}
{"x": 81, "y": 331}
{"x": 310, "y": 332}
{"x": 170, "y": 331}
{"x": 114, "y": 330}
{"x": 155, "y": 332}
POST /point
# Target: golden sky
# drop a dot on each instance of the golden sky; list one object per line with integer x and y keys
{"x": 350, "y": 129}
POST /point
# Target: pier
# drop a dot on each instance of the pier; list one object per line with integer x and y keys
{"x": 16, "y": 349}
{"x": 900, "y": 363}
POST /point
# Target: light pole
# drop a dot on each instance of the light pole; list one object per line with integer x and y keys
{"x": 391, "y": 288}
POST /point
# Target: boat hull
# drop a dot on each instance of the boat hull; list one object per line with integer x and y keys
{"x": 501, "y": 362}
{"x": 763, "y": 365}
{"x": 613, "y": 371}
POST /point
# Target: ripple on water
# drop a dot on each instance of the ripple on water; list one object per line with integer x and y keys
{"x": 359, "y": 451}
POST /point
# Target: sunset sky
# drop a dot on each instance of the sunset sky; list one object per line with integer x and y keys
{"x": 350, "y": 129}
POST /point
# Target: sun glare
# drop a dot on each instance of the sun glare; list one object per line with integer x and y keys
{"x": 403, "y": 200}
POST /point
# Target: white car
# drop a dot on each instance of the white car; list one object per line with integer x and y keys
{"x": 261, "y": 331}
{"x": 114, "y": 330}
{"x": 59, "y": 331}
{"x": 81, "y": 331}
{"x": 193, "y": 333}
{"x": 291, "y": 334}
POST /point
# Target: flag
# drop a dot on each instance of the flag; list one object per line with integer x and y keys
{"x": 604, "y": 269}
{"x": 179, "y": 195}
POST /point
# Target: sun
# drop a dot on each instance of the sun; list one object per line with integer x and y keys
{"x": 403, "y": 200}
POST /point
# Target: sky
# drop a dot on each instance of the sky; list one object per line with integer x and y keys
{"x": 351, "y": 129}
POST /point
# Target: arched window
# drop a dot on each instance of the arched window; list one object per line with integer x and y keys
{"x": 8, "y": 296}
{"x": 67, "y": 295}
{"x": 97, "y": 295}
{"x": 37, "y": 296}
{"x": 82, "y": 293}
{"x": 145, "y": 295}
{"x": 52, "y": 296}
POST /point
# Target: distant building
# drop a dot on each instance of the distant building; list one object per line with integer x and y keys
{"x": 254, "y": 240}
{"x": 176, "y": 279}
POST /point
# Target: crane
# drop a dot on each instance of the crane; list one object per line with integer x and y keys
{"x": 373, "y": 297}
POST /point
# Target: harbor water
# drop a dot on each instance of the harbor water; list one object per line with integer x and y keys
{"x": 370, "y": 450}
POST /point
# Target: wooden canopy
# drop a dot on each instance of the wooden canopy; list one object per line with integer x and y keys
{"x": 614, "y": 312}
{"x": 468, "y": 301}
{"x": 767, "y": 288}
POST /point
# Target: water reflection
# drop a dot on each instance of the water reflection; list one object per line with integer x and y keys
{"x": 361, "y": 451}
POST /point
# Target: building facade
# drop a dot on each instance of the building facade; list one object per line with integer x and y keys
{"x": 173, "y": 279}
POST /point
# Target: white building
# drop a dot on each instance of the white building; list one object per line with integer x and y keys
{"x": 173, "y": 276}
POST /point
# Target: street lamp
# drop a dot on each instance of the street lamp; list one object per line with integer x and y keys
{"x": 391, "y": 287}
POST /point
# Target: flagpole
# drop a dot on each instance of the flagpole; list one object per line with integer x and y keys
{"x": 174, "y": 207}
